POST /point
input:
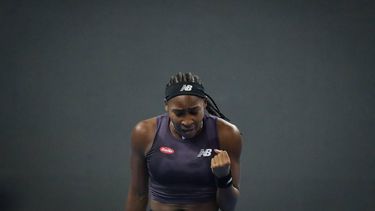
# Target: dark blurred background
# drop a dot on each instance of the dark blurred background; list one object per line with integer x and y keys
{"x": 297, "y": 78}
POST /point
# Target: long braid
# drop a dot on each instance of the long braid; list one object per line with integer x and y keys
{"x": 212, "y": 108}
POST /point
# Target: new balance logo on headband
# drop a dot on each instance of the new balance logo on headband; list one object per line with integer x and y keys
{"x": 186, "y": 88}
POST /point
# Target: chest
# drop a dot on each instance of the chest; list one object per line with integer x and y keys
{"x": 181, "y": 163}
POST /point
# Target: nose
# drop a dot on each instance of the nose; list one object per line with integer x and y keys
{"x": 187, "y": 122}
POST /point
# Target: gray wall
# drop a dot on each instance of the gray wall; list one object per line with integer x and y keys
{"x": 296, "y": 77}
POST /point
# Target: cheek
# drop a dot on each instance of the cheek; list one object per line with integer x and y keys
{"x": 175, "y": 121}
{"x": 201, "y": 113}
{"x": 177, "y": 126}
{"x": 199, "y": 118}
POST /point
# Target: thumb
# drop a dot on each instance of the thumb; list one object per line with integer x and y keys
{"x": 218, "y": 151}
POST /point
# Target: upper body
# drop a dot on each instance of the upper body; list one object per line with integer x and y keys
{"x": 186, "y": 120}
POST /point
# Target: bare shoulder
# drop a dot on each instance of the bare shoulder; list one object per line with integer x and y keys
{"x": 143, "y": 134}
{"x": 229, "y": 136}
{"x": 144, "y": 128}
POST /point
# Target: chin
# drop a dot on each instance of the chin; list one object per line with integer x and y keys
{"x": 189, "y": 135}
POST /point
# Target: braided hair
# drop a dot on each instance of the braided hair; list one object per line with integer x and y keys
{"x": 188, "y": 77}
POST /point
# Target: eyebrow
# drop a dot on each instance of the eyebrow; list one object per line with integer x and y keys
{"x": 188, "y": 110}
{"x": 193, "y": 108}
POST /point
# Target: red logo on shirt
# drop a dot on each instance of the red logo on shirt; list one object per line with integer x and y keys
{"x": 166, "y": 150}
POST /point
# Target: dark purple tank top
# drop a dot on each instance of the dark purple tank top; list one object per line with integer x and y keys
{"x": 180, "y": 170}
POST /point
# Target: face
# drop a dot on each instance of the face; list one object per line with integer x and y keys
{"x": 186, "y": 113}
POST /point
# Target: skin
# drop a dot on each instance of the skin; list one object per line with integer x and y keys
{"x": 186, "y": 114}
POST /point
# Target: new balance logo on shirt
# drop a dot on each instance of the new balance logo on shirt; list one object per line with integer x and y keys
{"x": 204, "y": 153}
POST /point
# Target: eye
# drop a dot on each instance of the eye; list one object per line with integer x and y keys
{"x": 194, "y": 111}
{"x": 179, "y": 113}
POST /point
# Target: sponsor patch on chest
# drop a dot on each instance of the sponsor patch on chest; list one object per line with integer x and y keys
{"x": 166, "y": 150}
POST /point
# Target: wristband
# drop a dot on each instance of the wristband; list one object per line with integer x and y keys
{"x": 224, "y": 182}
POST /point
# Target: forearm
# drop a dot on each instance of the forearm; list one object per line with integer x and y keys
{"x": 136, "y": 202}
{"x": 227, "y": 198}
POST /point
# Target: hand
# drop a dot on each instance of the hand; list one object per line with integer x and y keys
{"x": 220, "y": 163}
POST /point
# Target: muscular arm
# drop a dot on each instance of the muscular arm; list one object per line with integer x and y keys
{"x": 231, "y": 143}
{"x": 138, "y": 190}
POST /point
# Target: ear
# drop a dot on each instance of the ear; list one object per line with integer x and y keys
{"x": 166, "y": 105}
{"x": 205, "y": 102}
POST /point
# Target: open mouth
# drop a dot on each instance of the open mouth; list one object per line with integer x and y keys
{"x": 187, "y": 130}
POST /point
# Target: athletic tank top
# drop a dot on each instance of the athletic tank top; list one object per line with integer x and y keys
{"x": 180, "y": 170}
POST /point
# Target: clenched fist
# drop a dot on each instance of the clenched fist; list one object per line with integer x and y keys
{"x": 220, "y": 163}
